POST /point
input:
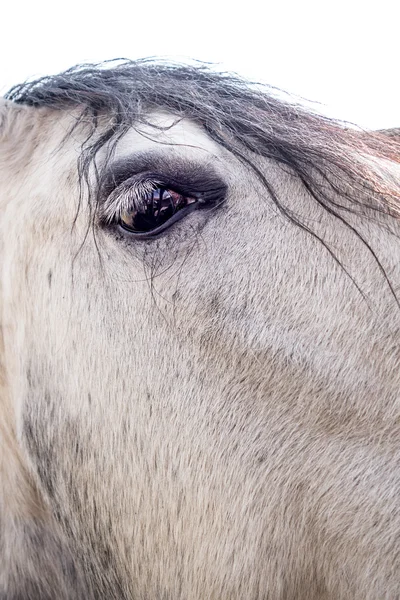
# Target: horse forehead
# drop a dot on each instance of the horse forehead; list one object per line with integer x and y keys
{"x": 163, "y": 130}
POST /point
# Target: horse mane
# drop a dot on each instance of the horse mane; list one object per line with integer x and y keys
{"x": 394, "y": 132}
{"x": 344, "y": 169}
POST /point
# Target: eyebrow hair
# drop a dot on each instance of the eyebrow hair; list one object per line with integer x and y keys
{"x": 183, "y": 174}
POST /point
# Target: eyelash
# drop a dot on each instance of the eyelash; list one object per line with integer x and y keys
{"x": 127, "y": 195}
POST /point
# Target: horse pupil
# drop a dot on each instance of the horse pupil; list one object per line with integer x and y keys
{"x": 158, "y": 207}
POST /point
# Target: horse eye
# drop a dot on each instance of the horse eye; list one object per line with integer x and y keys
{"x": 157, "y": 208}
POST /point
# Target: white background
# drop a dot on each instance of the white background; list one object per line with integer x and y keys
{"x": 344, "y": 55}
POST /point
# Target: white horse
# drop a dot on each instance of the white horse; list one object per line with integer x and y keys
{"x": 199, "y": 352}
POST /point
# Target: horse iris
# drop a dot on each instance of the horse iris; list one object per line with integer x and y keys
{"x": 156, "y": 209}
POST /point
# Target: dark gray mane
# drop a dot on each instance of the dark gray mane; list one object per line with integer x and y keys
{"x": 245, "y": 118}
{"x": 395, "y": 132}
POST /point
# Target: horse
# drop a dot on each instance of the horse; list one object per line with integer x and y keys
{"x": 199, "y": 355}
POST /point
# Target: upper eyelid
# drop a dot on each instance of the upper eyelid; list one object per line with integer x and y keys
{"x": 185, "y": 175}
